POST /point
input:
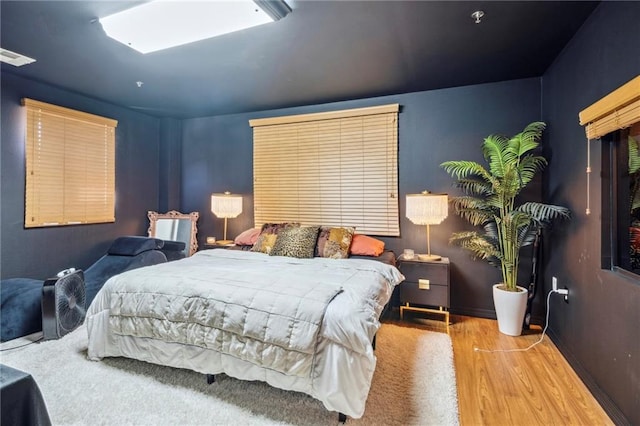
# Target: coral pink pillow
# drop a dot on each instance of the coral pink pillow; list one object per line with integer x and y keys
{"x": 364, "y": 245}
{"x": 248, "y": 237}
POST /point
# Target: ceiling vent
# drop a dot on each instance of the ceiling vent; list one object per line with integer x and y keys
{"x": 14, "y": 58}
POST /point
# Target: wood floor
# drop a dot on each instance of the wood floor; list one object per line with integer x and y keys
{"x": 536, "y": 387}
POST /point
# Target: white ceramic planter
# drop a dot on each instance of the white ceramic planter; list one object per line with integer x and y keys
{"x": 510, "y": 308}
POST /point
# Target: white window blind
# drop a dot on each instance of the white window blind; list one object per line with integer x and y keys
{"x": 337, "y": 169}
{"x": 70, "y": 166}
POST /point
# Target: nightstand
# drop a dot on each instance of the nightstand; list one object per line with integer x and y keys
{"x": 426, "y": 284}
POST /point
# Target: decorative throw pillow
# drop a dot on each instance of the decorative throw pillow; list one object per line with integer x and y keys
{"x": 334, "y": 242}
{"x": 363, "y": 245}
{"x": 268, "y": 235}
{"x": 297, "y": 242}
{"x": 248, "y": 237}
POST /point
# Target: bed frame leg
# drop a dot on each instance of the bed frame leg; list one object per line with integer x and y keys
{"x": 211, "y": 378}
{"x": 342, "y": 418}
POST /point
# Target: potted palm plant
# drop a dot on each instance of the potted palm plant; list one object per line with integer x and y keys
{"x": 490, "y": 202}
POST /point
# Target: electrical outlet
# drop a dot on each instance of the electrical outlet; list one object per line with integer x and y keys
{"x": 564, "y": 291}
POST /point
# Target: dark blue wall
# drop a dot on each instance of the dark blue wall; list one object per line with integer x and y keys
{"x": 170, "y": 164}
{"x": 41, "y": 252}
{"x": 434, "y": 126}
{"x": 599, "y": 330}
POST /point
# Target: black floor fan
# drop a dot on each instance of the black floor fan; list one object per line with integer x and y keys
{"x": 533, "y": 282}
{"x": 63, "y": 303}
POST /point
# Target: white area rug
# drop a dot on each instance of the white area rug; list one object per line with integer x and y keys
{"x": 414, "y": 384}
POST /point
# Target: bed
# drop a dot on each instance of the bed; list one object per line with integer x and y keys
{"x": 305, "y": 325}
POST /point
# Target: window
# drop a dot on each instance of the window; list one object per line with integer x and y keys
{"x": 616, "y": 119}
{"x": 621, "y": 200}
{"x": 70, "y": 166}
{"x": 336, "y": 168}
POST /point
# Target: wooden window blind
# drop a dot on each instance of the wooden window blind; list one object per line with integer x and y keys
{"x": 70, "y": 166}
{"x": 618, "y": 110}
{"x": 335, "y": 168}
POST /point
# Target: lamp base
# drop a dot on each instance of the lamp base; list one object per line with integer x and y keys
{"x": 224, "y": 242}
{"x": 429, "y": 257}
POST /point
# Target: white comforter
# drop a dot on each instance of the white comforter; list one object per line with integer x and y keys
{"x": 298, "y": 324}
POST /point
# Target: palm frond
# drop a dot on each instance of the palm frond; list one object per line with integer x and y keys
{"x": 527, "y": 236}
{"x": 634, "y": 156}
{"x": 476, "y": 243}
{"x": 474, "y": 185}
{"x": 491, "y": 232}
{"x": 526, "y": 140}
{"x": 529, "y": 166}
{"x": 511, "y": 184}
{"x": 634, "y": 174}
{"x": 462, "y": 169}
{"x": 493, "y": 150}
{"x": 544, "y": 213}
{"x": 495, "y": 201}
{"x": 475, "y": 217}
{"x": 475, "y": 210}
{"x": 518, "y": 219}
{"x": 469, "y": 202}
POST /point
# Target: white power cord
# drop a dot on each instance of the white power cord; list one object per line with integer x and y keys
{"x": 559, "y": 291}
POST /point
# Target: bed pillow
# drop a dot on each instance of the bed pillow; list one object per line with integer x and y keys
{"x": 268, "y": 234}
{"x": 248, "y": 237}
{"x": 363, "y": 245}
{"x": 297, "y": 242}
{"x": 334, "y": 242}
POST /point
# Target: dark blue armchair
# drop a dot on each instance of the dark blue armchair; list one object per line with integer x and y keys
{"x": 20, "y": 311}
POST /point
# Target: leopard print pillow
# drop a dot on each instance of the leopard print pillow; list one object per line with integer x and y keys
{"x": 268, "y": 234}
{"x": 297, "y": 242}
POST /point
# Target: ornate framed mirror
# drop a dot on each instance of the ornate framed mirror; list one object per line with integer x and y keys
{"x": 175, "y": 226}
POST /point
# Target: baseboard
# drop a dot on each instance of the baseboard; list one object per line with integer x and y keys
{"x": 487, "y": 313}
{"x": 603, "y": 399}
{"x": 474, "y": 312}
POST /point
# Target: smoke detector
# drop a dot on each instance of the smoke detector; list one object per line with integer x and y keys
{"x": 477, "y": 15}
{"x": 14, "y": 58}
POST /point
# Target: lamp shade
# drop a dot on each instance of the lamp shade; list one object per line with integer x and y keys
{"x": 427, "y": 208}
{"x": 226, "y": 205}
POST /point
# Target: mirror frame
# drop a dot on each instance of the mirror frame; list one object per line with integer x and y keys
{"x": 173, "y": 214}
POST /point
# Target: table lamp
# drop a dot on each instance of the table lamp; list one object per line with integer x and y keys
{"x": 427, "y": 209}
{"x": 226, "y": 206}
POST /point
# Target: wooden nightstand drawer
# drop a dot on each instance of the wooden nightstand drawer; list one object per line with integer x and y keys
{"x": 436, "y": 295}
{"x": 437, "y": 274}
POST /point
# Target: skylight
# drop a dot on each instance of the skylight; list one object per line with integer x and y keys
{"x": 162, "y": 24}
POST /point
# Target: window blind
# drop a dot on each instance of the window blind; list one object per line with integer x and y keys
{"x": 70, "y": 166}
{"x": 336, "y": 169}
{"x": 617, "y": 110}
